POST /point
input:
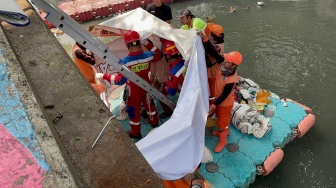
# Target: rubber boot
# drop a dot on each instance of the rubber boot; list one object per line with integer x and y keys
{"x": 135, "y": 131}
{"x": 222, "y": 141}
{"x": 215, "y": 132}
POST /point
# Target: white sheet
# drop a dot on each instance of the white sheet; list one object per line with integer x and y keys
{"x": 146, "y": 24}
{"x": 11, "y": 13}
{"x": 176, "y": 147}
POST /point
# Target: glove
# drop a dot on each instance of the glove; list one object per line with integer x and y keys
{"x": 107, "y": 77}
{"x": 212, "y": 110}
{"x": 99, "y": 75}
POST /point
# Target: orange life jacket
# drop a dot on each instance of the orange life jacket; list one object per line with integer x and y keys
{"x": 212, "y": 71}
{"x": 220, "y": 84}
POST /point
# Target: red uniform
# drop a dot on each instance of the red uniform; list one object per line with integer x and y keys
{"x": 177, "y": 72}
{"x": 138, "y": 62}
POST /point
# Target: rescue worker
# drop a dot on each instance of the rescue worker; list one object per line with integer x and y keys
{"x": 177, "y": 69}
{"x": 187, "y": 19}
{"x": 226, "y": 80}
{"x": 139, "y": 62}
{"x": 215, "y": 36}
{"x": 160, "y": 10}
{"x": 159, "y": 72}
{"x": 85, "y": 60}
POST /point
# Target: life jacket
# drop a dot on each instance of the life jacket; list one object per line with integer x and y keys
{"x": 221, "y": 81}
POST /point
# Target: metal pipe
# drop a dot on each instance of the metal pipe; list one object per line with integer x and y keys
{"x": 101, "y": 132}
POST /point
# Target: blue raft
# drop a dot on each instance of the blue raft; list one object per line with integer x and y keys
{"x": 245, "y": 156}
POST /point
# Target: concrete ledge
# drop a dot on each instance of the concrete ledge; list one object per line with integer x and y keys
{"x": 58, "y": 173}
{"x": 78, "y": 114}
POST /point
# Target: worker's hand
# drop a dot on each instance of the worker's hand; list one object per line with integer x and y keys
{"x": 201, "y": 34}
{"x": 99, "y": 75}
{"x": 212, "y": 110}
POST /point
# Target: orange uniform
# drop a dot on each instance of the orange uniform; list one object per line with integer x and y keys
{"x": 85, "y": 67}
{"x": 226, "y": 80}
{"x": 224, "y": 108}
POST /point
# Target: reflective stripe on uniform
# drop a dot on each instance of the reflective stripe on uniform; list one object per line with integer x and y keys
{"x": 151, "y": 113}
{"x": 180, "y": 71}
{"x": 153, "y": 49}
{"x": 130, "y": 63}
{"x": 135, "y": 123}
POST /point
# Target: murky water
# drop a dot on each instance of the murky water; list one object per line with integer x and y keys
{"x": 289, "y": 48}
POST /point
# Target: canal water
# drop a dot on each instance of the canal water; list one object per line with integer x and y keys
{"x": 288, "y": 47}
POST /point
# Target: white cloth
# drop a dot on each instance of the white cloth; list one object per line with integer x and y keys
{"x": 249, "y": 121}
{"x": 245, "y": 93}
{"x": 146, "y": 24}
{"x": 176, "y": 147}
{"x": 11, "y": 13}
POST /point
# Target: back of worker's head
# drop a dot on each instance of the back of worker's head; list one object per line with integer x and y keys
{"x": 132, "y": 38}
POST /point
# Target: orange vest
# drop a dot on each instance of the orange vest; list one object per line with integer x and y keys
{"x": 220, "y": 84}
{"x": 212, "y": 71}
{"x": 85, "y": 68}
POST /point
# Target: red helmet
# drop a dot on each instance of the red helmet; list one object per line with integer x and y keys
{"x": 170, "y": 48}
{"x": 131, "y": 36}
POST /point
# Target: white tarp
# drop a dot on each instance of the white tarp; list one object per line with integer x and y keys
{"x": 11, "y": 13}
{"x": 146, "y": 24}
{"x": 176, "y": 147}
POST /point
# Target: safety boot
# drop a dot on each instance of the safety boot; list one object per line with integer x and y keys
{"x": 215, "y": 132}
{"x": 222, "y": 140}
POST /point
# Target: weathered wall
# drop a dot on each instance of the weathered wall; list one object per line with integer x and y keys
{"x": 75, "y": 112}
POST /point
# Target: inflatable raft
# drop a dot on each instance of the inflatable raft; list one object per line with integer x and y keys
{"x": 245, "y": 155}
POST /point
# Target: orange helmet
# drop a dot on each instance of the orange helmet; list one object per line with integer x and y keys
{"x": 169, "y": 48}
{"x": 131, "y": 36}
